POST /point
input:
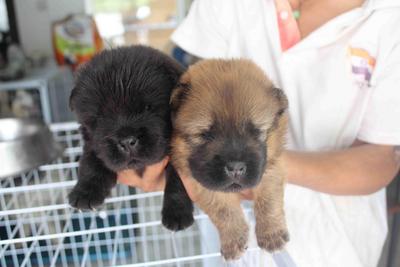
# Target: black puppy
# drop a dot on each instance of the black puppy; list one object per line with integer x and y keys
{"x": 121, "y": 99}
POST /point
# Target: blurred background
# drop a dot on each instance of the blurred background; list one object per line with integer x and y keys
{"x": 42, "y": 42}
{"x": 38, "y": 38}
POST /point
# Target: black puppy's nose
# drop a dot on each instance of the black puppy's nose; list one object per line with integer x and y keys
{"x": 129, "y": 144}
{"x": 235, "y": 169}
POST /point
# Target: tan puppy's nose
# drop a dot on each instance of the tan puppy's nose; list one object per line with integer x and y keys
{"x": 235, "y": 169}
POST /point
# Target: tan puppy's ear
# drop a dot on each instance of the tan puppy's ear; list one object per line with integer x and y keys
{"x": 283, "y": 107}
{"x": 283, "y": 101}
{"x": 179, "y": 92}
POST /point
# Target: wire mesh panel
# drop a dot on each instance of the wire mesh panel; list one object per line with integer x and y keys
{"x": 38, "y": 228}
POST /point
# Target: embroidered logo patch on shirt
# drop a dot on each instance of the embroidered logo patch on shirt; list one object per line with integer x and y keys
{"x": 362, "y": 66}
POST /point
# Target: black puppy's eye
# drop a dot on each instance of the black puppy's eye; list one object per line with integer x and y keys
{"x": 207, "y": 135}
{"x": 148, "y": 107}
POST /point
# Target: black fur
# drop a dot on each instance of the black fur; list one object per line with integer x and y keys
{"x": 94, "y": 184}
{"x": 177, "y": 212}
{"x": 122, "y": 93}
{"x": 121, "y": 98}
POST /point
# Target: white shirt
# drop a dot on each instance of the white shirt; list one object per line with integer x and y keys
{"x": 343, "y": 84}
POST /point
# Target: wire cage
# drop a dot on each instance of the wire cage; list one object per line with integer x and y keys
{"x": 38, "y": 227}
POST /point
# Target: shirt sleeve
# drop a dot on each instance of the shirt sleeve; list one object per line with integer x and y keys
{"x": 381, "y": 122}
{"x": 204, "y": 31}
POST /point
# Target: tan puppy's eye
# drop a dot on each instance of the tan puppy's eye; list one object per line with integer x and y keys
{"x": 207, "y": 136}
{"x": 253, "y": 130}
{"x": 259, "y": 132}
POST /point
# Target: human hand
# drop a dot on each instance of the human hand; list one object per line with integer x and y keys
{"x": 153, "y": 178}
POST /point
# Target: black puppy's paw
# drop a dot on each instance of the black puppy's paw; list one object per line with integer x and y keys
{"x": 177, "y": 218}
{"x": 85, "y": 199}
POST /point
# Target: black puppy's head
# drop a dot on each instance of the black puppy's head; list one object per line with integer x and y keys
{"x": 121, "y": 98}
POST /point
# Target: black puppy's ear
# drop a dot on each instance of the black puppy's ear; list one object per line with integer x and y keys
{"x": 85, "y": 133}
{"x": 174, "y": 70}
{"x": 179, "y": 92}
{"x": 75, "y": 91}
{"x": 72, "y": 98}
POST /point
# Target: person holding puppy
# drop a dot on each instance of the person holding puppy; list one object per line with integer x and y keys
{"x": 338, "y": 63}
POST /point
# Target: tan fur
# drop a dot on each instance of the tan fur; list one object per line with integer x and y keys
{"x": 253, "y": 96}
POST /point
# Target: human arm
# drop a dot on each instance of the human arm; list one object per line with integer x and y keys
{"x": 358, "y": 170}
{"x": 368, "y": 165}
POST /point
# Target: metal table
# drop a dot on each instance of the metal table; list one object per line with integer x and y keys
{"x": 38, "y": 79}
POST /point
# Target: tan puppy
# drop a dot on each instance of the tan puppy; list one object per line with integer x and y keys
{"x": 229, "y": 127}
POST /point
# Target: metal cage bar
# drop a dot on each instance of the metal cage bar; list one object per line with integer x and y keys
{"x": 38, "y": 228}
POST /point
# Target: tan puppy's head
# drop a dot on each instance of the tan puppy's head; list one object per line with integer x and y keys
{"x": 229, "y": 124}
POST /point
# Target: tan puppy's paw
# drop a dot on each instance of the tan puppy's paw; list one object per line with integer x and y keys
{"x": 271, "y": 240}
{"x": 234, "y": 244}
